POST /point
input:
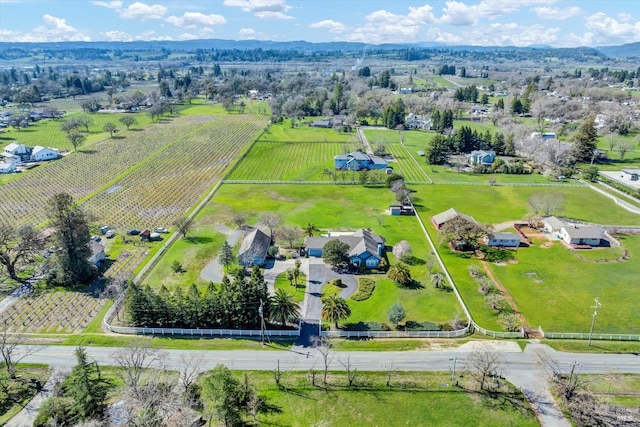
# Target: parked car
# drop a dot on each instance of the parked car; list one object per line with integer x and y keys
{"x": 161, "y": 230}
{"x": 96, "y": 238}
{"x": 110, "y": 233}
{"x": 133, "y": 232}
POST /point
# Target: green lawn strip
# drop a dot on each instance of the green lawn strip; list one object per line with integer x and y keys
{"x": 283, "y": 132}
{"x": 398, "y": 344}
{"x": 582, "y": 346}
{"x": 25, "y": 373}
{"x": 297, "y": 294}
{"x": 201, "y": 106}
{"x": 555, "y": 289}
{"x": 95, "y": 326}
{"x": 625, "y": 197}
{"x": 413, "y": 399}
{"x": 178, "y": 342}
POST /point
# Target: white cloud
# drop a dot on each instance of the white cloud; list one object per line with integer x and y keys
{"x": 117, "y": 36}
{"x": 116, "y": 4}
{"x": 383, "y": 26}
{"x": 330, "y": 24}
{"x": 556, "y": 13}
{"x": 459, "y": 13}
{"x": 251, "y": 34}
{"x": 188, "y": 36}
{"x": 194, "y": 19}
{"x": 151, "y": 35}
{"x": 625, "y": 17}
{"x": 607, "y": 30}
{"x": 53, "y": 30}
{"x": 263, "y": 9}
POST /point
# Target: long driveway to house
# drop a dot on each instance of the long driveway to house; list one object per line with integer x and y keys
{"x": 214, "y": 271}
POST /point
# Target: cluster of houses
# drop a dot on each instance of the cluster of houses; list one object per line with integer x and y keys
{"x": 16, "y": 154}
{"x": 8, "y": 118}
{"x": 575, "y": 236}
{"x": 366, "y": 248}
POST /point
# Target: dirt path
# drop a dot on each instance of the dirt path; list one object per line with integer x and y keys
{"x": 504, "y": 292}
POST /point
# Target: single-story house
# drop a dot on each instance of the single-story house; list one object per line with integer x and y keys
{"x": 507, "y": 240}
{"x": 365, "y": 247}
{"x": 578, "y": 235}
{"x": 481, "y": 157}
{"x": 15, "y": 149}
{"x": 630, "y": 174}
{"x": 322, "y": 124}
{"x": 40, "y": 154}
{"x": 358, "y": 161}
{"x": 254, "y": 248}
{"x": 552, "y": 224}
{"x": 443, "y": 217}
{"x": 97, "y": 252}
{"x": 8, "y": 165}
{"x": 544, "y": 135}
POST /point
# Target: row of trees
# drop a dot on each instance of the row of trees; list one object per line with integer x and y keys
{"x": 236, "y": 303}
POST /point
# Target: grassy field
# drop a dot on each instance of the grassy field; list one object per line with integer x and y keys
{"x": 283, "y": 132}
{"x": 574, "y": 285}
{"x": 413, "y": 399}
{"x": 616, "y": 389}
{"x": 288, "y": 161}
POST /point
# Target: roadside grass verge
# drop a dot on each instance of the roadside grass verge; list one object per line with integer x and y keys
{"x": 178, "y": 342}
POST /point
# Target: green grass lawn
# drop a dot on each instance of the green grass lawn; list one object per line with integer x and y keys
{"x": 414, "y": 399}
{"x": 580, "y": 346}
{"x": 572, "y": 282}
{"x": 296, "y": 292}
{"x": 423, "y": 303}
{"x": 555, "y": 289}
{"x": 283, "y": 132}
{"x": 178, "y": 342}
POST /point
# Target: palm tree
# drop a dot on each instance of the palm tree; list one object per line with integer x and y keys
{"x": 310, "y": 229}
{"x": 284, "y": 308}
{"x": 400, "y": 273}
{"x": 335, "y": 309}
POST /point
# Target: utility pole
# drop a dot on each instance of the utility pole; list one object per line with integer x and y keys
{"x": 263, "y": 326}
{"x": 593, "y": 319}
{"x": 453, "y": 372}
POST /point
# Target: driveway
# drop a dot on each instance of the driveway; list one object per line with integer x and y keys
{"x": 214, "y": 271}
{"x": 27, "y": 415}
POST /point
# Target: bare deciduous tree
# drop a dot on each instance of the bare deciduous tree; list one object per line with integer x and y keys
{"x": 289, "y": 234}
{"x": 9, "y": 344}
{"x": 134, "y": 359}
{"x": 485, "y": 363}
{"x": 402, "y": 250}
{"x": 324, "y": 347}
{"x": 351, "y": 370}
{"x": 239, "y": 219}
{"x": 192, "y": 368}
{"x": 545, "y": 203}
{"x": 391, "y": 370}
{"x": 270, "y": 220}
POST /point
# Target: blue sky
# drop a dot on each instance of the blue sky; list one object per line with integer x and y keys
{"x": 560, "y": 23}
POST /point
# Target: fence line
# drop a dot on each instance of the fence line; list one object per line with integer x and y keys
{"x": 477, "y": 184}
{"x": 204, "y": 332}
{"x": 396, "y": 334}
{"x": 585, "y": 336}
{"x": 623, "y": 204}
{"x": 496, "y": 334}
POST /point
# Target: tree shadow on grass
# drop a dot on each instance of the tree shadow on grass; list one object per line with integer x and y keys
{"x": 199, "y": 240}
{"x": 414, "y": 260}
{"x": 413, "y": 285}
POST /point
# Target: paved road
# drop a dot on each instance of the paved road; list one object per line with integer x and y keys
{"x": 214, "y": 271}
{"x": 524, "y": 369}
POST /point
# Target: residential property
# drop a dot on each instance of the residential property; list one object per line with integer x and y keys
{"x": 506, "y": 240}
{"x": 16, "y": 150}
{"x": 396, "y": 210}
{"x": 358, "y": 161}
{"x": 442, "y": 218}
{"x": 365, "y": 247}
{"x": 544, "y": 135}
{"x": 8, "y": 165}
{"x": 552, "y": 224}
{"x": 481, "y": 157}
{"x": 40, "y": 154}
{"x": 581, "y": 235}
{"x": 254, "y": 248}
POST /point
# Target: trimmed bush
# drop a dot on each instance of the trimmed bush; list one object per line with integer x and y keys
{"x": 365, "y": 289}
{"x": 368, "y": 326}
{"x": 337, "y": 283}
{"x": 412, "y": 326}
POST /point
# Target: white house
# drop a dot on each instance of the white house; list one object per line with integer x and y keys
{"x": 544, "y": 135}
{"x": 8, "y": 165}
{"x": 15, "y": 149}
{"x": 552, "y": 224}
{"x": 581, "y": 235}
{"x": 507, "y": 240}
{"x": 97, "y": 252}
{"x": 40, "y": 154}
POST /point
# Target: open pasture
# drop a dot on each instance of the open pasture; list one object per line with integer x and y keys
{"x": 161, "y": 188}
{"x": 287, "y": 161}
{"x": 85, "y": 172}
{"x": 283, "y": 132}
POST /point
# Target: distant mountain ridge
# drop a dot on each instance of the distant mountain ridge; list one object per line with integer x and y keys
{"x": 626, "y": 50}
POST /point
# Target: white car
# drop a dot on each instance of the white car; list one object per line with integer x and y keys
{"x": 161, "y": 230}
{"x": 109, "y": 234}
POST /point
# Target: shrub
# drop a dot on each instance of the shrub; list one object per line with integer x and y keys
{"x": 365, "y": 289}
{"x": 368, "y": 326}
{"x": 337, "y": 283}
{"x": 413, "y": 326}
{"x": 176, "y": 266}
{"x": 510, "y": 321}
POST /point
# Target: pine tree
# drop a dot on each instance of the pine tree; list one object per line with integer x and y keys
{"x": 585, "y": 140}
{"x": 86, "y": 387}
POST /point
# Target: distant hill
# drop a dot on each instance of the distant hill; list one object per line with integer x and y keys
{"x": 628, "y": 50}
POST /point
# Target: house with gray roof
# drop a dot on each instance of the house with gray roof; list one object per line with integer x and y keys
{"x": 254, "y": 248}
{"x": 365, "y": 247}
{"x": 481, "y": 157}
{"x": 505, "y": 240}
{"x": 576, "y": 235}
{"x": 358, "y": 161}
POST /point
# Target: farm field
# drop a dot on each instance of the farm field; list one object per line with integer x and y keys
{"x": 412, "y": 399}
{"x": 288, "y": 161}
{"x": 283, "y": 132}
{"x": 329, "y": 207}
{"x": 125, "y": 175}
{"x": 498, "y": 204}
{"x": 162, "y": 187}
{"x": 83, "y": 173}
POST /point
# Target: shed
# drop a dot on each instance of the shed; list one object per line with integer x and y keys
{"x": 443, "y": 217}
{"x": 145, "y": 236}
